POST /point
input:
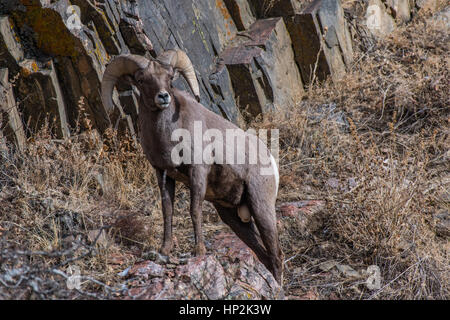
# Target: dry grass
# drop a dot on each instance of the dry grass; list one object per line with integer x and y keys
{"x": 385, "y": 140}
{"x": 382, "y": 133}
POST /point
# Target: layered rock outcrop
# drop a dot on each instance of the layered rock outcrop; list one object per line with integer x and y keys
{"x": 252, "y": 56}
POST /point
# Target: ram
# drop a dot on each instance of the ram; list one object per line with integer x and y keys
{"x": 243, "y": 196}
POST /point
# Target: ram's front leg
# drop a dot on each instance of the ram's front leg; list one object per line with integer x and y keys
{"x": 167, "y": 189}
{"x": 198, "y": 185}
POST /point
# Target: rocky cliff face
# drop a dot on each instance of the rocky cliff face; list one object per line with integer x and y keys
{"x": 249, "y": 55}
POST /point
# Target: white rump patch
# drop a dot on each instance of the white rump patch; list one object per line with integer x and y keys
{"x": 275, "y": 171}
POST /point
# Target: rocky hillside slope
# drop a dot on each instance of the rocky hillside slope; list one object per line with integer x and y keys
{"x": 363, "y": 202}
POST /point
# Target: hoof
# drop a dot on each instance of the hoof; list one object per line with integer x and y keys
{"x": 165, "y": 250}
{"x": 200, "y": 250}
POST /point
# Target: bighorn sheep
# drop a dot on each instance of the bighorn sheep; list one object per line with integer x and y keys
{"x": 238, "y": 191}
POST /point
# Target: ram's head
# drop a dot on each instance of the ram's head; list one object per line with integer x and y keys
{"x": 152, "y": 77}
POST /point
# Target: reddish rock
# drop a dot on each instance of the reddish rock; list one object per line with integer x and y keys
{"x": 147, "y": 270}
{"x": 118, "y": 258}
{"x": 306, "y": 213}
{"x": 289, "y": 210}
{"x": 309, "y": 295}
{"x": 308, "y": 207}
{"x": 232, "y": 271}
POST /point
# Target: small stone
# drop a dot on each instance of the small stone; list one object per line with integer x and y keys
{"x": 327, "y": 265}
{"x": 333, "y": 183}
{"x": 441, "y": 221}
{"x": 124, "y": 273}
{"x": 147, "y": 269}
{"x": 156, "y": 257}
{"x": 352, "y": 183}
{"x": 348, "y": 271}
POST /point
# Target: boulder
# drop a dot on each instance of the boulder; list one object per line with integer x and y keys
{"x": 401, "y": 10}
{"x": 11, "y": 51}
{"x": 202, "y": 28}
{"x": 243, "y": 13}
{"x": 232, "y": 271}
{"x": 11, "y": 127}
{"x": 277, "y": 8}
{"x": 38, "y": 87}
{"x": 62, "y": 48}
{"x": 441, "y": 18}
{"x": 3, "y": 141}
{"x": 76, "y": 58}
{"x": 101, "y": 16}
{"x": 378, "y": 20}
{"x": 78, "y": 38}
{"x": 262, "y": 68}
{"x": 39, "y": 82}
{"x": 321, "y": 40}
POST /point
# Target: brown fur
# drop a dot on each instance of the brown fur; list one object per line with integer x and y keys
{"x": 228, "y": 187}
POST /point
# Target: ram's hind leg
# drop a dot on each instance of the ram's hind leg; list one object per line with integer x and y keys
{"x": 245, "y": 231}
{"x": 263, "y": 212}
{"x": 197, "y": 181}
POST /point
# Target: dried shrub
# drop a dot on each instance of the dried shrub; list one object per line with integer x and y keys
{"x": 382, "y": 134}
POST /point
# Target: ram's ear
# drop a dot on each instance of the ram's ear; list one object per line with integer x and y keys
{"x": 127, "y": 80}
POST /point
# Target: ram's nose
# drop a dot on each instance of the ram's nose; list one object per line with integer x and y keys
{"x": 163, "y": 96}
{"x": 163, "y": 99}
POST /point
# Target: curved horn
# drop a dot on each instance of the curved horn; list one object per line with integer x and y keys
{"x": 178, "y": 59}
{"x": 121, "y": 65}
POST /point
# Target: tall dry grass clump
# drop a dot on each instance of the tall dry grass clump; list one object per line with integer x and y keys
{"x": 375, "y": 146}
{"x": 58, "y": 195}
